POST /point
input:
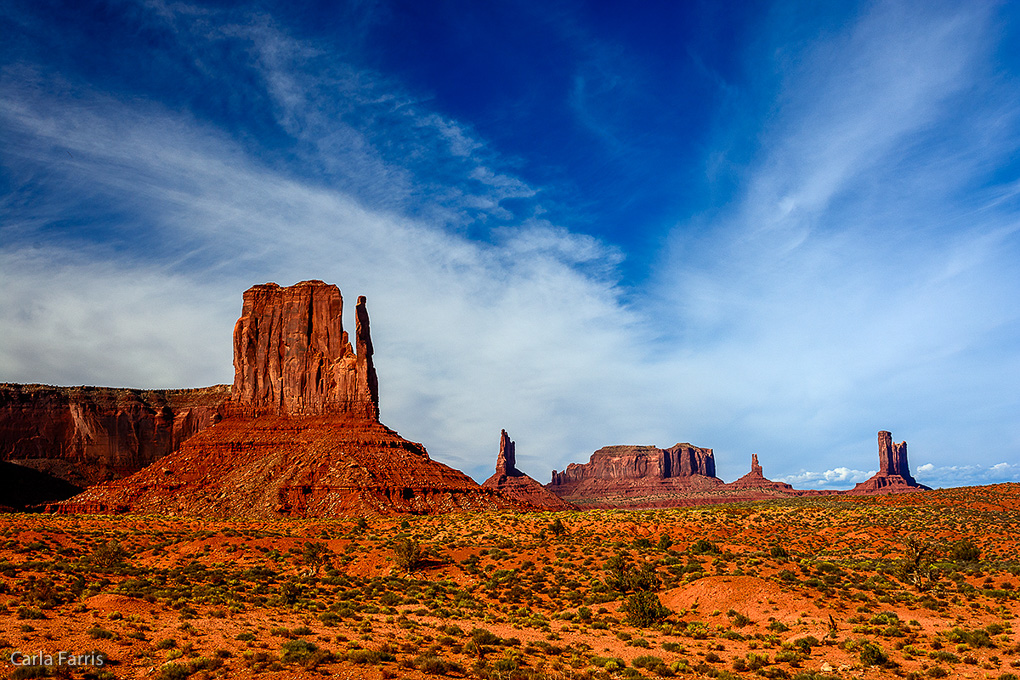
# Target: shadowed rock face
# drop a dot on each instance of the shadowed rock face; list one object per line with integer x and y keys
{"x": 301, "y": 436}
{"x": 893, "y": 475}
{"x": 517, "y": 486}
{"x": 86, "y": 435}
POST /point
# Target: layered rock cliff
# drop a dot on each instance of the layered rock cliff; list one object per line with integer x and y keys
{"x": 301, "y": 435}
{"x": 514, "y": 484}
{"x": 893, "y": 474}
{"x": 85, "y": 435}
{"x": 620, "y": 476}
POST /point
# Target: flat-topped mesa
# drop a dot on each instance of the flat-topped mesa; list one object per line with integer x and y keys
{"x": 293, "y": 357}
{"x": 893, "y": 474}
{"x": 639, "y": 462}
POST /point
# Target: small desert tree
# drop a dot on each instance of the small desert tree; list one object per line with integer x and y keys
{"x": 644, "y": 609}
{"x": 916, "y": 565}
{"x": 408, "y": 554}
{"x": 315, "y": 555}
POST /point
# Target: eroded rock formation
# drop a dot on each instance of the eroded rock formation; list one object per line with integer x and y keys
{"x": 893, "y": 474}
{"x": 622, "y": 476}
{"x": 293, "y": 357}
{"x": 85, "y": 435}
{"x": 755, "y": 479}
{"x": 301, "y": 435}
{"x": 517, "y": 486}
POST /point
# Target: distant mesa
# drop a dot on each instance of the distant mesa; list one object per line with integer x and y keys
{"x": 893, "y": 474}
{"x": 301, "y": 435}
{"x": 515, "y": 485}
{"x": 638, "y": 476}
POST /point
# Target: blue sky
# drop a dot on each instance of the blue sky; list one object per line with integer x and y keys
{"x": 770, "y": 228}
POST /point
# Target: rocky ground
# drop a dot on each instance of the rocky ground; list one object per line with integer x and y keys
{"x": 917, "y": 585}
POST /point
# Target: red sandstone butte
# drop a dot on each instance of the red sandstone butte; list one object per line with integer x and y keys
{"x": 293, "y": 357}
{"x": 893, "y": 474}
{"x": 86, "y": 435}
{"x": 755, "y": 479}
{"x": 301, "y": 435}
{"x": 639, "y": 476}
{"x": 514, "y": 484}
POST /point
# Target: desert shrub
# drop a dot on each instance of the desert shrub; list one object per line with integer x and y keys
{"x": 965, "y": 551}
{"x": 557, "y": 528}
{"x": 704, "y": 547}
{"x": 480, "y": 636}
{"x": 432, "y": 664}
{"x": 297, "y": 651}
{"x": 99, "y": 633}
{"x": 937, "y": 672}
{"x": 408, "y": 554}
{"x": 31, "y": 672}
{"x": 644, "y": 609}
{"x": 362, "y": 657}
{"x": 872, "y": 655}
{"x": 646, "y": 661}
{"x": 976, "y": 638}
{"x": 330, "y": 618}
{"x": 779, "y": 551}
{"x": 108, "y": 556}
{"x": 30, "y": 613}
{"x": 739, "y": 620}
{"x": 174, "y": 671}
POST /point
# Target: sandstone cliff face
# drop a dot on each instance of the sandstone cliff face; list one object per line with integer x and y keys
{"x": 893, "y": 475}
{"x": 293, "y": 357}
{"x": 517, "y": 486}
{"x": 301, "y": 435}
{"x": 85, "y": 435}
{"x": 633, "y": 476}
{"x": 639, "y": 462}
